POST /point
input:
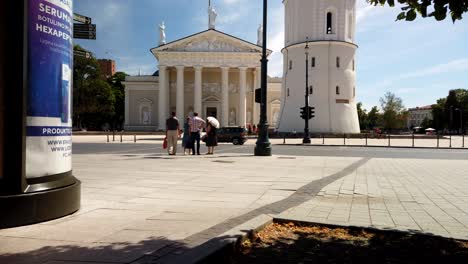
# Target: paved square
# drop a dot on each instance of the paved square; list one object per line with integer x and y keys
{"x": 140, "y": 205}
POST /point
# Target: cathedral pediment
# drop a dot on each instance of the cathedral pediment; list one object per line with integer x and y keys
{"x": 209, "y": 41}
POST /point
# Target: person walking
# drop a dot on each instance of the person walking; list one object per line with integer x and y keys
{"x": 186, "y": 141}
{"x": 172, "y": 133}
{"x": 196, "y": 124}
{"x": 211, "y": 138}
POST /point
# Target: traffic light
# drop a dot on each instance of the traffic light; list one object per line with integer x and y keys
{"x": 258, "y": 95}
{"x": 311, "y": 112}
{"x": 303, "y": 113}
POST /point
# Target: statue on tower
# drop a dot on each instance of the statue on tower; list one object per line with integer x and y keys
{"x": 260, "y": 35}
{"x": 212, "y": 16}
{"x": 162, "y": 34}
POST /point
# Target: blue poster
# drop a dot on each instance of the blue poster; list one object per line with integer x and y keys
{"x": 50, "y": 64}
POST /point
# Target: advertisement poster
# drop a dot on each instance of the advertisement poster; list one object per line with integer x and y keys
{"x": 50, "y": 69}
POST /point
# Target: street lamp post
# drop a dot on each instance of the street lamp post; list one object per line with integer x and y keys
{"x": 306, "y": 139}
{"x": 263, "y": 146}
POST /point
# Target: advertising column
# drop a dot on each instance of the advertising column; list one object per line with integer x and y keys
{"x": 36, "y": 180}
{"x": 48, "y": 128}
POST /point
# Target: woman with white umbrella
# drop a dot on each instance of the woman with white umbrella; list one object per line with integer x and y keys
{"x": 211, "y": 134}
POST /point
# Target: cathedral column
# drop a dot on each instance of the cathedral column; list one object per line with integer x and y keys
{"x": 127, "y": 106}
{"x": 256, "y": 106}
{"x": 180, "y": 93}
{"x": 242, "y": 92}
{"x": 162, "y": 103}
{"x": 198, "y": 90}
{"x": 225, "y": 96}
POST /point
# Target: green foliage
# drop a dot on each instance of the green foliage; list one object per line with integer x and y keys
{"x": 96, "y": 101}
{"x": 362, "y": 115}
{"x": 446, "y": 113}
{"x": 426, "y": 123}
{"x": 394, "y": 114}
{"x": 118, "y": 89}
{"x": 439, "y": 9}
{"x": 374, "y": 118}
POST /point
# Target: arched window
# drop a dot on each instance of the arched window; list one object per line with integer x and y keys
{"x": 288, "y": 91}
{"x": 313, "y": 62}
{"x": 337, "y": 62}
{"x": 329, "y": 23}
{"x": 337, "y": 90}
{"x": 290, "y": 64}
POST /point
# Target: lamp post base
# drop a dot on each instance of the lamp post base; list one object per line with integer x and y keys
{"x": 263, "y": 145}
{"x": 306, "y": 141}
{"x": 30, "y": 208}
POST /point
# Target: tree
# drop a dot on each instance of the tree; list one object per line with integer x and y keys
{"x": 93, "y": 100}
{"x": 373, "y": 117}
{"x": 362, "y": 115}
{"x": 118, "y": 89}
{"x": 393, "y": 111}
{"x": 439, "y": 119}
{"x": 426, "y": 123}
{"x": 439, "y": 8}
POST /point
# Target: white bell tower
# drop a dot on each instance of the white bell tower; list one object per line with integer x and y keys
{"x": 328, "y": 27}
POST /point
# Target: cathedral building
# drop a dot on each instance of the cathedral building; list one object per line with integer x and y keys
{"x": 211, "y": 73}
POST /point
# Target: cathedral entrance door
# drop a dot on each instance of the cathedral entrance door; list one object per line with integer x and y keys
{"x": 212, "y": 111}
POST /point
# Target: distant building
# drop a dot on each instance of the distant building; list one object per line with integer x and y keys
{"x": 418, "y": 114}
{"x": 107, "y": 67}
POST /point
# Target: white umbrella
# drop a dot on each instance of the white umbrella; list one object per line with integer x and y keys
{"x": 213, "y": 121}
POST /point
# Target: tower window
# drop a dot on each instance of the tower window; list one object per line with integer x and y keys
{"x": 337, "y": 62}
{"x": 337, "y": 90}
{"x": 329, "y": 23}
{"x": 288, "y": 91}
{"x": 313, "y": 62}
{"x": 311, "y": 89}
{"x": 354, "y": 91}
{"x": 350, "y": 25}
{"x": 353, "y": 66}
{"x": 290, "y": 64}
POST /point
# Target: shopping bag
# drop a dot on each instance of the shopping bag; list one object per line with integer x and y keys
{"x": 165, "y": 143}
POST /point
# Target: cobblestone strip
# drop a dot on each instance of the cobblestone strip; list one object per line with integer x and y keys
{"x": 193, "y": 245}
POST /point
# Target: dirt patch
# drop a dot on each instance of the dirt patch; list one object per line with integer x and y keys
{"x": 296, "y": 243}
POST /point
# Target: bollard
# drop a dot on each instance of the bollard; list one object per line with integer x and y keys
{"x": 389, "y": 140}
{"x": 134, "y": 138}
{"x": 121, "y": 137}
{"x": 463, "y": 140}
{"x": 366, "y": 139}
{"x": 284, "y": 139}
{"x": 113, "y": 135}
{"x": 323, "y": 139}
{"x": 437, "y": 140}
{"x": 107, "y": 136}
{"x": 413, "y": 140}
{"x": 344, "y": 139}
{"x": 450, "y": 144}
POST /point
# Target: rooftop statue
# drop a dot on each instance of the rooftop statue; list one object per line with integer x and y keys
{"x": 162, "y": 34}
{"x": 212, "y": 17}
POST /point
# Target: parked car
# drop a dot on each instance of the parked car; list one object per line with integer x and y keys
{"x": 236, "y": 135}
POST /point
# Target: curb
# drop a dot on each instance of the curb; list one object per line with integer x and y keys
{"x": 368, "y": 146}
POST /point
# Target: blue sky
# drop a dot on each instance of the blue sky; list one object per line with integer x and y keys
{"x": 419, "y": 61}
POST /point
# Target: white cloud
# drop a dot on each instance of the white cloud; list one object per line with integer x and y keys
{"x": 459, "y": 65}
